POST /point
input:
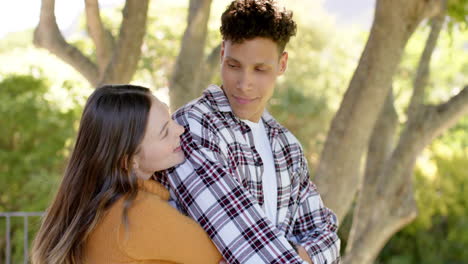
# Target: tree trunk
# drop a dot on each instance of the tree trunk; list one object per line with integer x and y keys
{"x": 338, "y": 175}
{"x": 116, "y": 62}
{"x": 210, "y": 67}
{"x": 374, "y": 219}
{"x": 381, "y": 227}
{"x": 385, "y": 203}
{"x": 125, "y": 57}
{"x": 186, "y": 73}
{"x": 100, "y": 35}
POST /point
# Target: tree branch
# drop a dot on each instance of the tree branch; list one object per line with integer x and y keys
{"x": 125, "y": 58}
{"x": 209, "y": 66}
{"x": 430, "y": 122}
{"x": 381, "y": 146}
{"x": 47, "y": 35}
{"x": 382, "y": 141}
{"x": 445, "y": 115}
{"x": 101, "y": 37}
{"x": 416, "y": 134}
{"x": 422, "y": 75}
{"x": 338, "y": 173}
{"x": 186, "y": 75}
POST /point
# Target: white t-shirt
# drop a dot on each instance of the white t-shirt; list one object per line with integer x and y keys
{"x": 269, "y": 184}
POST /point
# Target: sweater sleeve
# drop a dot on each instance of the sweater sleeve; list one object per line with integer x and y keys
{"x": 157, "y": 231}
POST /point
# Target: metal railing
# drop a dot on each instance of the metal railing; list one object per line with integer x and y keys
{"x": 25, "y": 215}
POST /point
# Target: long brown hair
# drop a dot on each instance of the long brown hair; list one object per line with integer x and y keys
{"x": 111, "y": 129}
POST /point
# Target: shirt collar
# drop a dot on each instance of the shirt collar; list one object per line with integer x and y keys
{"x": 218, "y": 100}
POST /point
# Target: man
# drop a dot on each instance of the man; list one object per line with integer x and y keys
{"x": 246, "y": 179}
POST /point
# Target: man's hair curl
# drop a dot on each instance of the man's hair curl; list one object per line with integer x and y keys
{"x": 248, "y": 19}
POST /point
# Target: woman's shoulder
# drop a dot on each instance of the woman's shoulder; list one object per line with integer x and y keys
{"x": 146, "y": 204}
{"x": 147, "y": 215}
{"x": 157, "y": 231}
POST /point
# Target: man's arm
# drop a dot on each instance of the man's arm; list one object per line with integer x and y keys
{"x": 316, "y": 226}
{"x": 228, "y": 213}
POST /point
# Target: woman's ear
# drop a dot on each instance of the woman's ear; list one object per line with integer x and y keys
{"x": 136, "y": 168}
{"x": 125, "y": 163}
{"x": 135, "y": 164}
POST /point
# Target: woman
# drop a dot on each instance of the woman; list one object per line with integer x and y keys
{"x": 107, "y": 210}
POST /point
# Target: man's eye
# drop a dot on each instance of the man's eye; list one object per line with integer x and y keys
{"x": 232, "y": 65}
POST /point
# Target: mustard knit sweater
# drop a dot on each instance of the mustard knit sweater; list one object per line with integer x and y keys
{"x": 157, "y": 233}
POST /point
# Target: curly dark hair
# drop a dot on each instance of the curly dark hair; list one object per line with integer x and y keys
{"x": 247, "y": 19}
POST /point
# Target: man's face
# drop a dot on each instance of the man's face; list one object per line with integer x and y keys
{"x": 249, "y": 71}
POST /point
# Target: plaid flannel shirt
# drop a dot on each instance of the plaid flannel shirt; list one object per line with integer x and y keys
{"x": 220, "y": 186}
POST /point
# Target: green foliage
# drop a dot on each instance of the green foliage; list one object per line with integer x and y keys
{"x": 309, "y": 92}
{"x": 458, "y": 10}
{"x": 440, "y": 233}
{"x": 36, "y": 136}
{"x": 32, "y": 146}
{"x": 163, "y": 39}
{"x": 456, "y": 138}
{"x": 16, "y": 40}
{"x": 304, "y": 115}
{"x": 161, "y": 45}
{"x": 448, "y": 68}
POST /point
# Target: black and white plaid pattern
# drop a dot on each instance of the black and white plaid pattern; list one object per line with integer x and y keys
{"x": 220, "y": 186}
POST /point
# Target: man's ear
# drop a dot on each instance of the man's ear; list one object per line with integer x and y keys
{"x": 223, "y": 44}
{"x": 283, "y": 63}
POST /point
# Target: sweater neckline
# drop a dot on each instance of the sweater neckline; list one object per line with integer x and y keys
{"x": 153, "y": 187}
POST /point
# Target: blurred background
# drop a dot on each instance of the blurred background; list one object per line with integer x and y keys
{"x": 43, "y": 90}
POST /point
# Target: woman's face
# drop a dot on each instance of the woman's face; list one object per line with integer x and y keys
{"x": 160, "y": 148}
